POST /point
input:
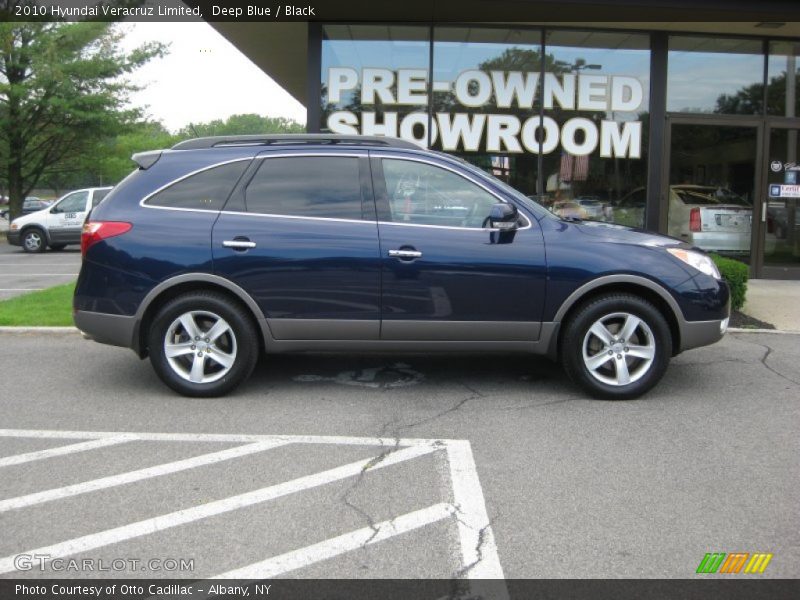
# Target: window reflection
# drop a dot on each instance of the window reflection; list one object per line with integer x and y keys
{"x": 783, "y": 78}
{"x": 712, "y": 187}
{"x": 374, "y": 80}
{"x": 497, "y": 72}
{"x": 715, "y": 75}
{"x": 601, "y": 175}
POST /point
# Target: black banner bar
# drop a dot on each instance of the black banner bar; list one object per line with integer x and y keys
{"x": 741, "y": 588}
{"x": 415, "y": 11}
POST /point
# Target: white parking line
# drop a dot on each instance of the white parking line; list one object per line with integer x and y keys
{"x": 20, "y": 289}
{"x": 132, "y": 476}
{"x": 297, "y": 559}
{"x": 37, "y": 274}
{"x": 479, "y": 558}
{"x": 222, "y": 437}
{"x": 210, "y": 509}
{"x": 478, "y": 547}
{"x": 18, "y": 459}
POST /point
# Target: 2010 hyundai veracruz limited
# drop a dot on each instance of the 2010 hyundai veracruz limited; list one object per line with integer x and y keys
{"x": 221, "y": 249}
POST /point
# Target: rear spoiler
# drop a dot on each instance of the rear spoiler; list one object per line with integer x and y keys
{"x": 145, "y": 160}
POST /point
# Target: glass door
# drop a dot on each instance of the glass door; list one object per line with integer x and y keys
{"x": 780, "y": 217}
{"x": 712, "y": 183}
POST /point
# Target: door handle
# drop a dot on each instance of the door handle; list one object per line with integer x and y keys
{"x": 239, "y": 244}
{"x": 405, "y": 253}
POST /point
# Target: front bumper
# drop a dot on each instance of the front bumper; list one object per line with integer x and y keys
{"x": 13, "y": 238}
{"x": 115, "y": 330}
{"x": 702, "y": 333}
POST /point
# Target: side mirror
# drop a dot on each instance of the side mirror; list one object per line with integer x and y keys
{"x": 503, "y": 216}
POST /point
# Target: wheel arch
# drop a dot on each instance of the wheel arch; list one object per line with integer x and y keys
{"x": 28, "y": 226}
{"x": 191, "y": 282}
{"x": 631, "y": 284}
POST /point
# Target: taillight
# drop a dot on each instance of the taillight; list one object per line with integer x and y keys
{"x": 94, "y": 231}
{"x": 694, "y": 220}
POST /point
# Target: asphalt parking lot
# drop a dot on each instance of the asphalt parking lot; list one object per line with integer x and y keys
{"x": 476, "y": 466}
{"x": 21, "y": 272}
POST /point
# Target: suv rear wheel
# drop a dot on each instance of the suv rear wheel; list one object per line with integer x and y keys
{"x": 202, "y": 344}
{"x": 616, "y": 347}
{"x": 34, "y": 240}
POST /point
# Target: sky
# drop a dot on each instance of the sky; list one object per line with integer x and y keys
{"x": 204, "y": 77}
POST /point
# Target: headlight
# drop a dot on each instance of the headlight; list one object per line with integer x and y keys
{"x": 699, "y": 261}
{"x": 14, "y": 226}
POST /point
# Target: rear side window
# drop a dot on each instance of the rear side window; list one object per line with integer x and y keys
{"x": 205, "y": 190}
{"x": 307, "y": 186}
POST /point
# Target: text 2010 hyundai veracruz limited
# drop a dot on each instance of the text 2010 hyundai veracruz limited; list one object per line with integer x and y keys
{"x": 221, "y": 249}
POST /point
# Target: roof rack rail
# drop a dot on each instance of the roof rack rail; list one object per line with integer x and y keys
{"x": 291, "y": 139}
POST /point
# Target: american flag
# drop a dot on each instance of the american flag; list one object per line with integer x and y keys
{"x": 574, "y": 168}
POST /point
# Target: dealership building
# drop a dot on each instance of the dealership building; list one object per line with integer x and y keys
{"x": 687, "y": 128}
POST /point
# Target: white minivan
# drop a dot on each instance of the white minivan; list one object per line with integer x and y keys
{"x": 57, "y": 225}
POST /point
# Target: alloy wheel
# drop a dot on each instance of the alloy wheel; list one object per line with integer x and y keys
{"x": 619, "y": 348}
{"x": 200, "y": 346}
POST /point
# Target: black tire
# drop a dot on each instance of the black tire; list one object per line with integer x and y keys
{"x": 34, "y": 240}
{"x": 57, "y": 247}
{"x": 243, "y": 346}
{"x": 616, "y": 360}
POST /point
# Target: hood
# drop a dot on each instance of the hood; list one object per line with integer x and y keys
{"x": 621, "y": 234}
{"x": 25, "y": 219}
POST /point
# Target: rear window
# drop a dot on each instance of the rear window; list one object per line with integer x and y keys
{"x": 206, "y": 190}
{"x": 710, "y": 197}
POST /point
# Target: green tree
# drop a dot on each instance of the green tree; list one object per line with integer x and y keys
{"x": 115, "y": 160}
{"x": 63, "y": 91}
{"x": 242, "y": 125}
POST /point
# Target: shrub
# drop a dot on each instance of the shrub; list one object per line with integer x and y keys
{"x": 735, "y": 273}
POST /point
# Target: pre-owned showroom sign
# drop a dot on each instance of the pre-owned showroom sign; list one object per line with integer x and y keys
{"x": 474, "y": 89}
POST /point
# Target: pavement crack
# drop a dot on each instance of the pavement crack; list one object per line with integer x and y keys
{"x": 346, "y": 497}
{"x": 460, "y": 587}
{"x": 392, "y": 429}
{"x": 769, "y": 350}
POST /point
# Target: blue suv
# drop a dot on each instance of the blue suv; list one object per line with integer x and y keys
{"x": 222, "y": 249}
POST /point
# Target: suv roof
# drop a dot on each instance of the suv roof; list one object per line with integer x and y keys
{"x": 292, "y": 139}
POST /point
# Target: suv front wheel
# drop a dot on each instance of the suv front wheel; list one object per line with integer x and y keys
{"x": 202, "y": 344}
{"x": 616, "y": 347}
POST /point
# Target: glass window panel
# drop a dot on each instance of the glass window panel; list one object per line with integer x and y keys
{"x": 594, "y": 159}
{"x": 326, "y": 187}
{"x": 427, "y": 195}
{"x": 75, "y": 202}
{"x": 205, "y": 190}
{"x": 485, "y": 84}
{"x": 715, "y": 75}
{"x": 783, "y": 92}
{"x": 374, "y": 80}
{"x": 98, "y": 196}
{"x": 782, "y": 239}
{"x": 712, "y": 187}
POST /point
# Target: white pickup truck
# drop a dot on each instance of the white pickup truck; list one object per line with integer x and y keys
{"x": 57, "y": 225}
